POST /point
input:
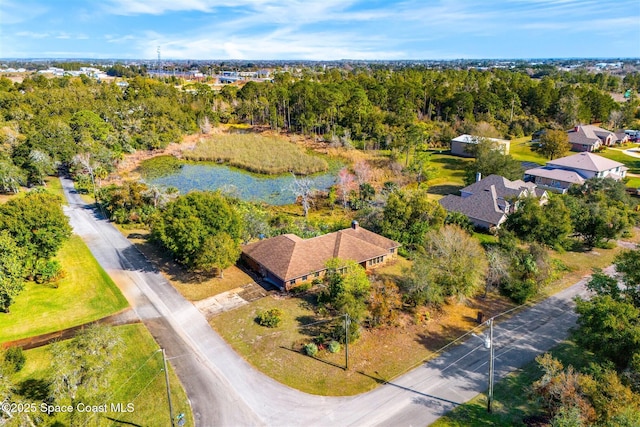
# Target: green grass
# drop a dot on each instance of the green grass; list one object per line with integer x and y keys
{"x": 257, "y": 153}
{"x": 633, "y": 163}
{"x": 139, "y": 379}
{"x": 86, "y": 293}
{"x": 449, "y": 174}
{"x": 520, "y": 150}
{"x": 511, "y": 402}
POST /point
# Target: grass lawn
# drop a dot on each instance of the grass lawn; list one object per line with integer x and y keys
{"x": 520, "y": 150}
{"x": 511, "y": 402}
{"x": 85, "y": 294}
{"x": 192, "y": 286}
{"x": 633, "y": 163}
{"x": 257, "y": 153}
{"x": 52, "y": 184}
{"x": 139, "y": 380}
{"x": 449, "y": 175}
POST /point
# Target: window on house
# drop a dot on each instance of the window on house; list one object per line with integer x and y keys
{"x": 316, "y": 274}
{"x": 304, "y": 278}
{"x": 292, "y": 282}
{"x": 392, "y": 250}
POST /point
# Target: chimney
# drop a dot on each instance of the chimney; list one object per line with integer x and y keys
{"x": 478, "y": 176}
{"x": 354, "y": 224}
{"x": 575, "y": 129}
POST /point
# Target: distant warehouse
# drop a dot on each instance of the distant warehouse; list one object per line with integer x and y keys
{"x": 460, "y": 146}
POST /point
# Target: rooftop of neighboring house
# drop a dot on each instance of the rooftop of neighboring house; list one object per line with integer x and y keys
{"x": 588, "y": 135}
{"x": 472, "y": 139}
{"x": 489, "y": 199}
{"x": 586, "y": 161}
{"x": 289, "y": 256}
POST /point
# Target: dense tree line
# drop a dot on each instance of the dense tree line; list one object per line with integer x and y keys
{"x": 46, "y": 121}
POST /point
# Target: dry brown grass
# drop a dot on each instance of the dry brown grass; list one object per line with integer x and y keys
{"x": 256, "y": 153}
{"x": 192, "y": 286}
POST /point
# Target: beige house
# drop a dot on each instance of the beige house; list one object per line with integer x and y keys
{"x": 460, "y": 145}
{"x": 288, "y": 260}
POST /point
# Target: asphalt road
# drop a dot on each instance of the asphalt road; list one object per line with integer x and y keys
{"x": 226, "y": 391}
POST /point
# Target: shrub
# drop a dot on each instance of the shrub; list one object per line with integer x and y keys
{"x": 334, "y": 347}
{"x": 48, "y": 271}
{"x": 311, "y": 349}
{"x": 519, "y": 291}
{"x": 15, "y": 358}
{"x": 303, "y": 287}
{"x": 270, "y": 318}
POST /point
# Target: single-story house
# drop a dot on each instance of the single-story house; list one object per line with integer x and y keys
{"x": 560, "y": 174}
{"x": 288, "y": 260}
{"x": 460, "y": 144}
{"x": 590, "y": 138}
{"x": 488, "y": 201}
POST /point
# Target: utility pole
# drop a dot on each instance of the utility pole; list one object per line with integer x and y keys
{"x": 166, "y": 379}
{"x": 347, "y": 323}
{"x": 490, "y": 393}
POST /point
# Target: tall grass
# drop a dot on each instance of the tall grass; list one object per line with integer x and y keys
{"x": 257, "y": 153}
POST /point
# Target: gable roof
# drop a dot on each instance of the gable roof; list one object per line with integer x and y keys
{"x": 487, "y": 200}
{"x": 289, "y": 257}
{"x": 588, "y": 135}
{"x": 585, "y": 161}
{"x": 504, "y": 187}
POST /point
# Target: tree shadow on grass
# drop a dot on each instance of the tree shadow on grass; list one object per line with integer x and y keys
{"x": 326, "y": 362}
{"x": 34, "y": 389}
{"x": 444, "y": 189}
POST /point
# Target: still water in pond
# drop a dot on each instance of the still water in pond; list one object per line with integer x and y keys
{"x": 274, "y": 190}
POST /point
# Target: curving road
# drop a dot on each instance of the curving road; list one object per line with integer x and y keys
{"x": 224, "y": 390}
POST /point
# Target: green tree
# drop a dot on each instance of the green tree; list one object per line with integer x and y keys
{"x": 554, "y": 143}
{"x": 407, "y": 216}
{"x": 187, "y": 222}
{"x": 490, "y": 161}
{"x": 609, "y": 328}
{"x": 37, "y": 223}
{"x": 11, "y": 270}
{"x": 549, "y": 224}
{"x": 347, "y": 287}
{"x": 218, "y": 251}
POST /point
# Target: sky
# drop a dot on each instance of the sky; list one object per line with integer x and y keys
{"x": 319, "y": 29}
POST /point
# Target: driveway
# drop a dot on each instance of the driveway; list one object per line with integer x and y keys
{"x": 224, "y": 390}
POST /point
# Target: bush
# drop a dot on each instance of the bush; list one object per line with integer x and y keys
{"x": 303, "y": 287}
{"x": 270, "y": 318}
{"x": 334, "y": 347}
{"x": 311, "y": 349}
{"x": 15, "y": 358}
{"x": 519, "y": 291}
{"x": 48, "y": 271}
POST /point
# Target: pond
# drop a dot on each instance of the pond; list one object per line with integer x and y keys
{"x": 274, "y": 190}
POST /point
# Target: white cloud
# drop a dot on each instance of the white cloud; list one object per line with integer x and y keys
{"x": 16, "y": 12}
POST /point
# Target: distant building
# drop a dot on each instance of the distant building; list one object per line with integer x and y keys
{"x": 590, "y": 138}
{"x": 460, "y": 145}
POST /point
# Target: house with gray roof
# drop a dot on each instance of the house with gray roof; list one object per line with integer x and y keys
{"x": 560, "y": 174}
{"x": 590, "y": 138}
{"x": 488, "y": 201}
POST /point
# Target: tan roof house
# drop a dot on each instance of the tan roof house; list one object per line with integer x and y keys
{"x": 487, "y": 202}
{"x": 289, "y": 260}
{"x": 559, "y": 174}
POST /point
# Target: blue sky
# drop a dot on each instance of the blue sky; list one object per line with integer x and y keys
{"x": 319, "y": 29}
